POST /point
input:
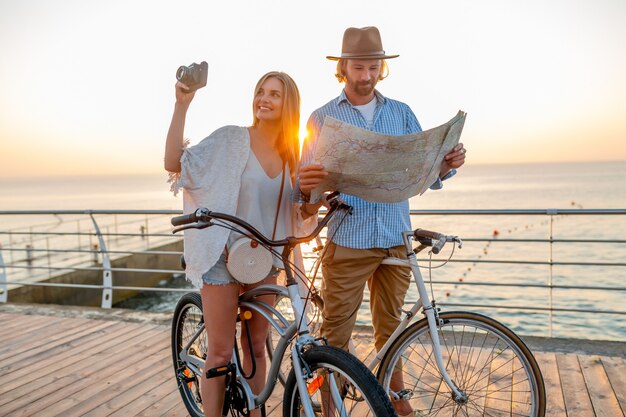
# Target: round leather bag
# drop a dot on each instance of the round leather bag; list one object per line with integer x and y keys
{"x": 248, "y": 262}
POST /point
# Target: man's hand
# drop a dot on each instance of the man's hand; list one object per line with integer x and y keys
{"x": 453, "y": 159}
{"x": 310, "y": 177}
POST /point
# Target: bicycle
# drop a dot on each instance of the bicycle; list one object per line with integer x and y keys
{"x": 322, "y": 378}
{"x": 453, "y": 363}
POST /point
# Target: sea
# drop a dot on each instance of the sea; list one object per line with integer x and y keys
{"x": 597, "y": 185}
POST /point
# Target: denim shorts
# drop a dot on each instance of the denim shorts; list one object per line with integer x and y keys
{"x": 219, "y": 275}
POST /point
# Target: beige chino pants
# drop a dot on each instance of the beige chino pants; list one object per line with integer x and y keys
{"x": 346, "y": 271}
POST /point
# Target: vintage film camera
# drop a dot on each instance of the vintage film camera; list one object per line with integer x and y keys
{"x": 194, "y": 76}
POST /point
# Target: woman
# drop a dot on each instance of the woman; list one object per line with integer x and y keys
{"x": 248, "y": 172}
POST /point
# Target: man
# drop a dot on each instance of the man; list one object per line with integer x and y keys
{"x": 373, "y": 232}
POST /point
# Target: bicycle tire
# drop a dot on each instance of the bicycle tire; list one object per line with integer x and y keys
{"x": 362, "y": 395}
{"x": 187, "y": 317}
{"x": 486, "y": 359}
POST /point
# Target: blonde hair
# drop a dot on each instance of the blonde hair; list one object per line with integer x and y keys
{"x": 289, "y": 142}
{"x": 341, "y": 77}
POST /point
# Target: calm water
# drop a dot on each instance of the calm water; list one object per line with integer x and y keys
{"x": 536, "y": 186}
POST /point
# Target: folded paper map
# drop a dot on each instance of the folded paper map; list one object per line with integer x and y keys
{"x": 382, "y": 168}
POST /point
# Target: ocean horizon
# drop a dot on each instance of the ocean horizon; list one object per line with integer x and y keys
{"x": 527, "y": 185}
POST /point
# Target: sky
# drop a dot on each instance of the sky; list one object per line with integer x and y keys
{"x": 87, "y": 87}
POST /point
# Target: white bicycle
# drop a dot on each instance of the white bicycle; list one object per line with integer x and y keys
{"x": 453, "y": 363}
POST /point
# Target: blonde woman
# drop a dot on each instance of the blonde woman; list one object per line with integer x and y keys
{"x": 248, "y": 172}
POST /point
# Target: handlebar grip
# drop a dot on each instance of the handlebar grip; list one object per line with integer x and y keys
{"x": 438, "y": 239}
{"x": 427, "y": 233}
{"x": 184, "y": 219}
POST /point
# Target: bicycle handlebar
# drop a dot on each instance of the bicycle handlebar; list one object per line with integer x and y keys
{"x": 434, "y": 239}
{"x": 202, "y": 218}
{"x": 185, "y": 219}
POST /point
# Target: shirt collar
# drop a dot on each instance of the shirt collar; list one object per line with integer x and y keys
{"x": 342, "y": 97}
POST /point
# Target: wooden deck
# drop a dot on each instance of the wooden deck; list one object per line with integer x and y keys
{"x": 71, "y": 363}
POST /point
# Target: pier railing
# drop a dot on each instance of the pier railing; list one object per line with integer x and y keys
{"x": 39, "y": 245}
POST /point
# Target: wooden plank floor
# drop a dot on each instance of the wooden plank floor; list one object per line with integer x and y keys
{"x": 53, "y": 365}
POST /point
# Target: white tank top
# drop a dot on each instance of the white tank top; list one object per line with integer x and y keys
{"x": 258, "y": 198}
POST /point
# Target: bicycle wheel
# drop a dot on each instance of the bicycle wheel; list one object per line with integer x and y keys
{"x": 185, "y": 323}
{"x": 483, "y": 357}
{"x": 360, "y": 393}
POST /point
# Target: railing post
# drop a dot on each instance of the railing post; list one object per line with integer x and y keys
{"x": 11, "y": 245}
{"x": 551, "y": 266}
{"x": 29, "y": 254}
{"x": 48, "y": 256}
{"x": 78, "y": 233}
{"x": 107, "y": 277}
{"x": 4, "y": 287}
{"x": 94, "y": 248}
{"x": 147, "y": 233}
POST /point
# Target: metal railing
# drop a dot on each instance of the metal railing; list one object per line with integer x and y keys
{"x": 89, "y": 240}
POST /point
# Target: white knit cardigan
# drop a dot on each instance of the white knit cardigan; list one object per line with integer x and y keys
{"x": 211, "y": 177}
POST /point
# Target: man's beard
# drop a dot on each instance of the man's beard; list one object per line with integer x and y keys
{"x": 363, "y": 88}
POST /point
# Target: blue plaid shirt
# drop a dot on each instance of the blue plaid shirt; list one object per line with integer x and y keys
{"x": 371, "y": 225}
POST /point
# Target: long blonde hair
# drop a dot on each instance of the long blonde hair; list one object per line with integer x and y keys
{"x": 289, "y": 142}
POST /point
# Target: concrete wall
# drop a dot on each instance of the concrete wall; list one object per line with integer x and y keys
{"x": 93, "y": 297}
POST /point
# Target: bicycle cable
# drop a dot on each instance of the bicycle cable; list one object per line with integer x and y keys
{"x": 430, "y": 269}
{"x": 443, "y": 263}
{"x": 312, "y": 280}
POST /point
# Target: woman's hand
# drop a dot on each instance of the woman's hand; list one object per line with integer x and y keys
{"x": 183, "y": 95}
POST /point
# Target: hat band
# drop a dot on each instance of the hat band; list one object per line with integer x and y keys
{"x": 349, "y": 54}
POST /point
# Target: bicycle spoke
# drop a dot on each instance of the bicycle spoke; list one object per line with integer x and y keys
{"x": 493, "y": 371}
{"x": 466, "y": 370}
{"x": 488, "y": 367}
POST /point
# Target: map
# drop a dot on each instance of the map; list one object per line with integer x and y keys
{"x": 382, "y": 168}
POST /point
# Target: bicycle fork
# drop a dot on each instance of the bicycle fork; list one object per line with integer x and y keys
{"x": 458, "y": 395}
{"x": 301, "y": 368}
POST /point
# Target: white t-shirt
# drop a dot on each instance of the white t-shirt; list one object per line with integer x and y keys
{"x": 258, "y": 198}
{"x": 367, "y": 110}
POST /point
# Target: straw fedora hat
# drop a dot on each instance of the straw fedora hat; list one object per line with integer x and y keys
{"x": 362, "y": 43}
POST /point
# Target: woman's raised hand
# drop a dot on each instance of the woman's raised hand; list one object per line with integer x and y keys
{"x": 183, "y": 95}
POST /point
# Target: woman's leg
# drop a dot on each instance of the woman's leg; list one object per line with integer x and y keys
{"x": 258, "y": 331}
{"x": 219, "y": 308}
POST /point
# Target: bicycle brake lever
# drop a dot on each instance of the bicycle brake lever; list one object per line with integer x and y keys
{"x": 198, "y": 225}
{"x": 438, "y": 245}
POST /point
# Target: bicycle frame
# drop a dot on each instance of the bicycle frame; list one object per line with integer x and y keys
{"x": 298, "y": 329}
{"x": 287, "y": 332}
{"x": 429, "y": 310}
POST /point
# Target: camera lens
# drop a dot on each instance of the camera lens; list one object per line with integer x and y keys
{"x": 180, "y": 72}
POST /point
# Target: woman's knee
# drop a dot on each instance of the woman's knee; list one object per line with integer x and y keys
{"x": 258, "y": 345}
{"x": 219, "y": 357}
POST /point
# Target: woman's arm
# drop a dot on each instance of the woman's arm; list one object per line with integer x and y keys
{"x": 174, "y": 141}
